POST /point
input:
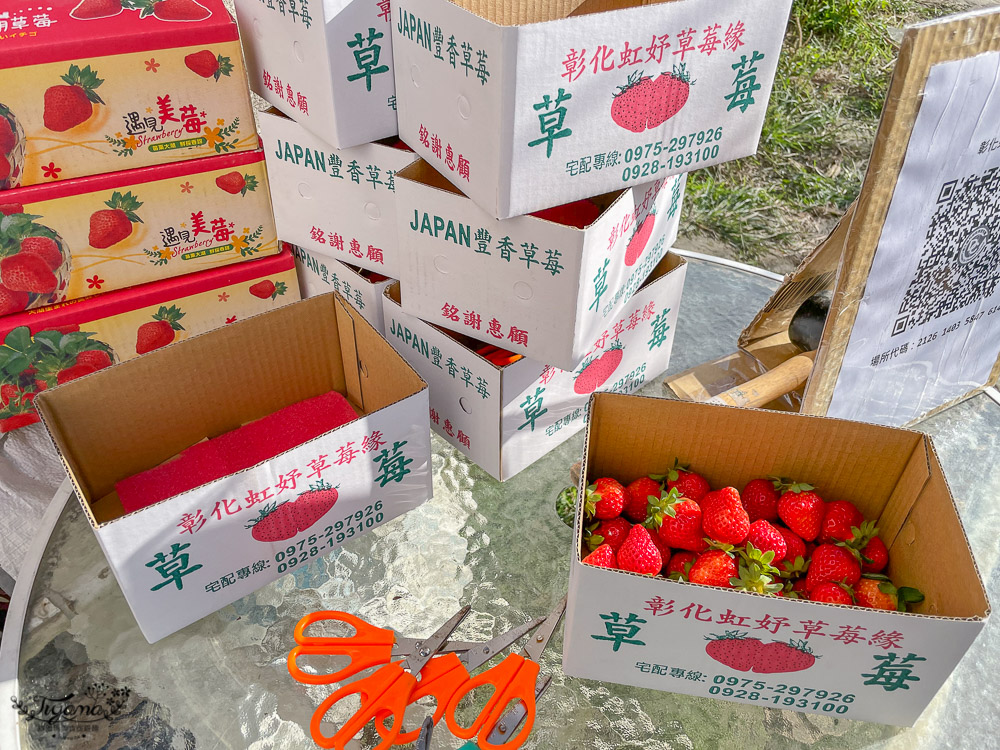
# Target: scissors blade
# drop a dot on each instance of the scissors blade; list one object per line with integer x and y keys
{"x": 424, "y": 740}
{"x": 406, "y": 646}
{"x": 480, "y": 653}
{"x": 432, "y": 645}
{"x": 510, "y": 721}
{"x": 536, "y": 644}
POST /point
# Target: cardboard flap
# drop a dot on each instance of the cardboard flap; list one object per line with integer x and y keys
{"x": 911, "y": 483}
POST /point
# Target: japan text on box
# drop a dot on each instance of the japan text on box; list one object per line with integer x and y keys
{"x": 327, "y": 65}
{"x": 53, "y": 345}
{"x": 523, "y": 108}
{"x": 544, "y": 285}
{"x": 96, "y": 234}
{"x": 319, "y": 274}
{"x": 89, "y": 89}
{"x": 507, "y": 417}
{"x": 337, "y": 202}
{"x": 186, "y": 557}
{"x": 849, "y": 662}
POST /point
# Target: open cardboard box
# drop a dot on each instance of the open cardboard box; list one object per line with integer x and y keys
{"x": 518, "y": 103}
{"x": 541, "y": 287}
{"x": 871, "y": 665}
{"x": 507, "y": 417}
{"x": 190, "y": 555}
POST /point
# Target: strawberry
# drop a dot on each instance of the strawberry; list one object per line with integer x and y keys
{"x": 680, "y": 522}
{"x": 638, "y": 554}
{"x": 793, "y": 656}
{"x": 160, "y": 331}
{"x": 766, "y": 537}
{"x": 723, "y": 517}
{"x": 679, "y": 565}
{"x": 88, "y": 10}
{"x": 595, "y": 372}
{"x": 830, "y": 562}
{"x": 11, "y": 301}
{"x": 171, "y": 10}
{"x": 877, "y": 592}
{"x": 8, "y": 138}
{"x": 640, "y": 238}
{"x": 663, "y": 549}
{"x": 760, "y": 498}
{"x": 5, "y": 167}
{"x": 9, "y": 209}
{"x": 690, "y": 485}
{"x": 669, "y": 94}
{"x": 802, "y": 510}
{"x": 612, "y": 532}
{"x": 276, "y": 523}
{"x": 268, "y": 288}
{"x": 734, "y": 650}
{"x": 630, "y": 103}
{"x": 605, "y": 499}
{"x": 831, "y": 593}
{"x": 25, "y": 272}
{"x": 41, "y": 385}
{"x": 44, "y": 247}
{"x": 9, "y": 392}
{"x": 232, "y": 182}
{"x": 72, "y": 373}
{"x": 309, "y": 507}
{"x": 602, "y": 557}
{"x": 113, "y": 224}
{"x": 209, "y": 65}
{"x": 874, "y": 556}
{"x": 70, "y": 105}
{"x": 18, "y": 420}
{"x": 96, "y": 358}
{"x": 715, "y": 567}
{"x": 839, "y": 521}
{"x": 794, "y": 546}
{"x": 638, "y": 495}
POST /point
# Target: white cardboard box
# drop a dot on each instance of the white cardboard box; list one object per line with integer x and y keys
{"x": 338, "y": 203}
{"x": 506, "y": 418}
{"x": 866, "y": 664}
{"x": 191, "y": 554}
{"x": 533, "y": 286}
{"x": 320, "y": 274}
{"x": 327, "y": 64}
{"x": 518, "y": 106}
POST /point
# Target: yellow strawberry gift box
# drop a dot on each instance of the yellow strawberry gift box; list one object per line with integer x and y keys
{"x": 95, "y": 234}
{"x": 96, "y": 86}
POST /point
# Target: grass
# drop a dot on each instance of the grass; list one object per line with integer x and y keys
{"x": 832, "y": 78}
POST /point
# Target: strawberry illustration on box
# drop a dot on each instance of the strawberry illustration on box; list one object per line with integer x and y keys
{"x": 96, "y": 234}
{"x": 98, "y": 86}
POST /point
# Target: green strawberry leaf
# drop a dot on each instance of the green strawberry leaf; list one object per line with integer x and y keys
{"x": 19, "y": 339}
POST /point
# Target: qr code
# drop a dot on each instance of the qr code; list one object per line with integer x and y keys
{"x": 960, "y": 260}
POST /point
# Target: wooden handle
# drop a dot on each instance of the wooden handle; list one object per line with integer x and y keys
{"x": 773, "y": 384}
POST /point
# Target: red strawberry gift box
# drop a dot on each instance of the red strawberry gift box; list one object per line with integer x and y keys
{"x": 95, "y": 86}
{"x": 51, "y": 346}
{"x": 781, "y": 595}
{"x": 96, "y": 234}
{"x": 532, "y": 105}
{"x": 544, "y": 285}
{"x": 271, "y": 451}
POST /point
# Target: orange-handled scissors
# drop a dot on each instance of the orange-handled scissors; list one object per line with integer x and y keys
{"x": 515, "y": 679}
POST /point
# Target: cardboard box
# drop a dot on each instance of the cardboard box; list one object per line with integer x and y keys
{"x": 327, "y": 65}
{"x": 522, "y": 107}
{"x": 113, "y": 231}
{"x": 189, "y": 555}
{"x": 506, "y": 418}
{"x": 118, "y": 326}
{"x": 319, "y": 274}
{"x": 85, "y": 93}
{"x": 870, "y": 665}
{"x": 537, "y": 287}
{"x": 338, "y": 203}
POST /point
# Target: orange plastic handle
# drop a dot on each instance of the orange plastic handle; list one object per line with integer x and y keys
{"x": 368, "y": 647}
{"x": 384, "y": 692}
{"x": 441, "y": 678}
{"x": 514, "y": 680}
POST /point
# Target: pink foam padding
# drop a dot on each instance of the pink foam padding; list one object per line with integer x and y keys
{"x": 194, "y": 466}
{"x": 580, "y": 214}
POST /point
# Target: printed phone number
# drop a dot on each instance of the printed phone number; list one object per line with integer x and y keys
{"x": 346, "y": 528}
{"x": 631, "y": 381}
{"x": 955, "y": 326}
{"x": 792, "y": 696}
{"x": 681, "y": 151}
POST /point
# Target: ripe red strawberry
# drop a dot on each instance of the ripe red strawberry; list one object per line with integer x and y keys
{"x": 681, "y": 525}
{"x": 25, "y": 272}
{"x": 9, "y": 392}
{"x": 874, "y": 556}
{"x": 172, "y": 10}
{"x": 830, "y": 562}
{"x": 96, "y": 358}
{"x": 679, "y": 565}
{"x": 794, "y": 546}
{"x": 877, "y": 592}
{"x": 602, "y": 557}
{"x": 605, "y": 499}
{"x": 276, "y": 523}
{"x": 111, "y": 225}
{"x": 734, "y": 650}
{"x": 70, "y": 105}
{"x": 637, "y": 498}
{"x": 9, "y": 209}
{"x": 309, "y": 507}
{"x": 612, "y": 532}
{"x": 637, "y": 243}
{"x": 793, "y": 656}
{"x": 18, "y": 420}
{"x": 72, "y": 373}
{"x": 839, "y": 522}
{"x": 691, "y": 485}
{"x": 802, "y": 510}
{"x": 596, "y": 372}
{"x": 630, "y": 104}
{"x": 232, "y": 182}
{"x": 209, "y": 65}
{"x": 760, "y": 498}
{"x": 831, "y": 593}
{"x": 723, "y": 517}
{"x": 714, "y": 568}
{"x": 11, "y": 301}
{"x": 8, "y": 138}
{"x": 766, "y": 537}
{"x": 669, "y": 94}
{"x": 268, "y": 288}
{"x": 638, "y": 554}
{"x": 160, "y": 331}
{"x": 45, "y": 248}
{"x": 88, "y": 10}
{"x": 41, "y": 385}
{"x": 663, "y": 549}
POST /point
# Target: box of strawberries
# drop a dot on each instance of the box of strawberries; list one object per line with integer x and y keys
{"x": 769, "y": 558}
